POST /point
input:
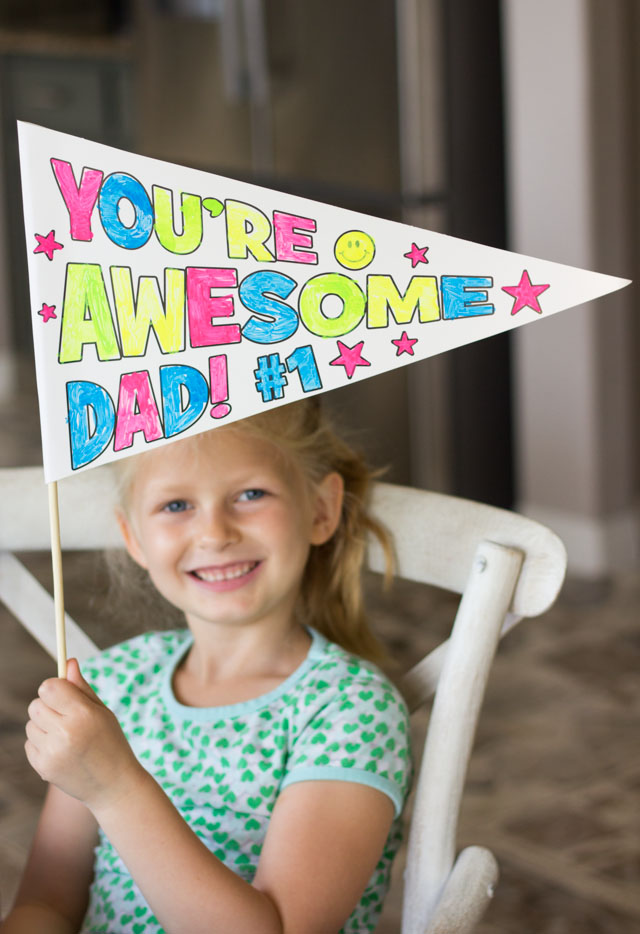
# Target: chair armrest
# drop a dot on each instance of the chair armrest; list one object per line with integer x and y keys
{"x": 466, "y": 894}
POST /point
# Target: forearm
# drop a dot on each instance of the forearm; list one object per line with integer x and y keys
{"x": 188, "y": 889}
{"x": 29, "y": 918}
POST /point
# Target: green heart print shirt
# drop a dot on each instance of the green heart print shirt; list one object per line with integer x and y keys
{"x": 337, "y": 717}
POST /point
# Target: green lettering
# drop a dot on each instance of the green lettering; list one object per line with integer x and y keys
{"x": 383, "y": 296}
{"x": 313, "y": 295}
{"x": 86, "y": 315}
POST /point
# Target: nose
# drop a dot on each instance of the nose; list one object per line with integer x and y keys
{"x": 217, "y": 527}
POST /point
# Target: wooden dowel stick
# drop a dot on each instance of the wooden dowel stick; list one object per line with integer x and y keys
{"x": 58, "y": 590}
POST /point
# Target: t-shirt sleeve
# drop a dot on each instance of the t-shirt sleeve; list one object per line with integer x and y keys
{"x": 360, "y": 735}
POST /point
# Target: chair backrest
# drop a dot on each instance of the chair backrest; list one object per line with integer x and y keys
{"x": 505, "y": 567}
{"x": 436, "y": 538}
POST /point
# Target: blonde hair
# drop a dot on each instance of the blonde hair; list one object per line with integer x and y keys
{"x": 331, "y": 597}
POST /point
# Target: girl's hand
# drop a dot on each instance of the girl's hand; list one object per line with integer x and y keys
{"x": 76, "y": 743}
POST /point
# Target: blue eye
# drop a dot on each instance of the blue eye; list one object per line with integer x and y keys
{"x": 176, "y": 505}
{"x": 249, "y": 496}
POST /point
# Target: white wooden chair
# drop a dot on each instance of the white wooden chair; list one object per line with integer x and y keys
{"x": 504, "y": 565}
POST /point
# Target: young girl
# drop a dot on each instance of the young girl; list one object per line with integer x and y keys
{"x": 245, "y": 774}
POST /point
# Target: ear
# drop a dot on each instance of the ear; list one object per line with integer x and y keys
{"x": 130, "y": 539}
{"x": 329, "y": 495}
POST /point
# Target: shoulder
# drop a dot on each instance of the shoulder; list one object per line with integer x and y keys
{"x": 352, "y": 724}
{"x": 135, "y": 660}
{"x": 338, "y": 676}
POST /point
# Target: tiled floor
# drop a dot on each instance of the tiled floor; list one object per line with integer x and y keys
{"x": 554, "y": 780}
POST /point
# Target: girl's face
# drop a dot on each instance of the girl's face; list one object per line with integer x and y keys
{"x": 224, "y": 523}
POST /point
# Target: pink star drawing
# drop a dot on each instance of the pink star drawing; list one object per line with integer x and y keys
{"x": 47, "y": 244}
{"x": 47, "y": 311}
{"x": 405, "y": 344}
{"x": 417, "y": 255}
{"x": 525, "y": 294}
{"x": 350, "y": 358}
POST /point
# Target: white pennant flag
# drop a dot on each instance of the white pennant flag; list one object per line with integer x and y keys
{"x": 166, "y": 300}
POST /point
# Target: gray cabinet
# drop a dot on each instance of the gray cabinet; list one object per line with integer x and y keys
{"x": 87, "y": 93}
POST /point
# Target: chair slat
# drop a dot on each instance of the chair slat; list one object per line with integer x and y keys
{"x": 86, "y": 500}
{"x": 33, "y": 606}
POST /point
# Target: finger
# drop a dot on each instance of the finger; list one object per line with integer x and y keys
{"x": 61, "y": 695}
{"x": 34, "y": 732}
{"x": 51, "y": 694}
{"x": 42, "y": 714}
{"x": 33, "y": 757}
{"x": 74, "y": 676}
{"x": 35, "y": 738}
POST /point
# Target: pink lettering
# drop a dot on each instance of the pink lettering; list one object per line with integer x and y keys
{"x": 137, "y": 410}
{"x": 202, "y": 306}
{"x": 79, "y": 199}
{"x": 291, "y": 245}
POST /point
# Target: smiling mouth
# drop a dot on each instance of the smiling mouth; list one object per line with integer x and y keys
{"x": 229, "y": 573}
{"x": 354, "y": 259}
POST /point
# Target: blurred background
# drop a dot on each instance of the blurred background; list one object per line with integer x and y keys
{"x": 515, "y": 124}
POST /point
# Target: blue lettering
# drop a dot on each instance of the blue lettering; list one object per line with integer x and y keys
{"x": 281, "y": 319}
{"x": 91, "y": 421}
{"x": 115, "y": 188}
{"x": 463, "y": 296}
{"x": 176, "y": 416}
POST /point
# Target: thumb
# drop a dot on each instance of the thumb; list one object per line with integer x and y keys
{"x": 74, "y": 675}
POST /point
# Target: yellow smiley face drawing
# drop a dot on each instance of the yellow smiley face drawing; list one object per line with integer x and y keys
{"x": 354, "y": 249}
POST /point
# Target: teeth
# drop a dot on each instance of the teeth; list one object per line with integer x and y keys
{"x": 226, "y": 574}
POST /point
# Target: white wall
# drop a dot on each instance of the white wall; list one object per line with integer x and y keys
{"x": 8, "y": 374}
{"x": 568, "y": 163}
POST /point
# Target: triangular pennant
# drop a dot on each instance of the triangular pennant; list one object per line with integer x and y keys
{"x": 166, "y": 300}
